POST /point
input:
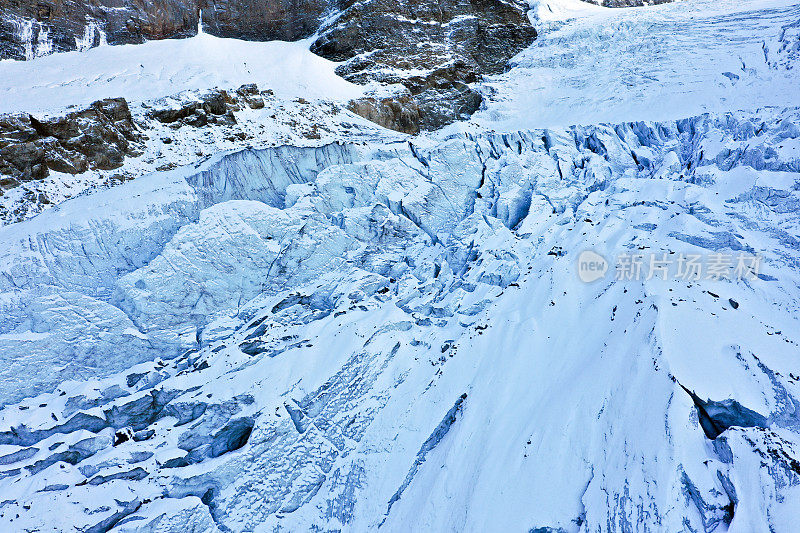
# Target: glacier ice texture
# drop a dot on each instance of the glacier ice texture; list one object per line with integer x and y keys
{"x": 394, "y": 337}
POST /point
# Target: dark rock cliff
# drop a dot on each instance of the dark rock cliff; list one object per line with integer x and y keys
{"x": 434, "y": 49}
{"x": 30, "y": 28}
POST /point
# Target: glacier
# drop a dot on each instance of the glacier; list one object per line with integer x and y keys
{"x": 345, "y": 337}
{"x": 370, "y": 331}
{"x": 674, "y": 60}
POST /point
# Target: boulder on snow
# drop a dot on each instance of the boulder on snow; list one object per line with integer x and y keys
{"x": 214, "y": 106}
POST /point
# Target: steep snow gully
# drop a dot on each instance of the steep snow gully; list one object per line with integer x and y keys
{"x": 394, "y": 337}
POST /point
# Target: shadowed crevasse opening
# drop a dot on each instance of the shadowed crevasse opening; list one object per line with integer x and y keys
{"x": 715, "y": 417}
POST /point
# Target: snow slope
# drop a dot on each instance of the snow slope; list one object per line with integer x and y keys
{"x": 160, "y": 68}
{"x": 593, "y": 64}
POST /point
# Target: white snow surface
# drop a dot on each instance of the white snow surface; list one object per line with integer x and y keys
{"x": 159, "y": 68}
{"x": 593, "y": 64}
{"x": 391, "y": 335}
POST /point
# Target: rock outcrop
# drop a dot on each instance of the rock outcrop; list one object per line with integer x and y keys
{"x": 97, "y": 137}
{"x": 214, "y": 107}
{"x": 434, "y": 50}
{"x": 627, "y": 3}
{"x": 29, "y": 28}
{"x": 396, "y": 113}
{"x": 101, "y": 136}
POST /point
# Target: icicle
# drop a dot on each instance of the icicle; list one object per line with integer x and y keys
{"x": 32, "y": 47}
{"x": 91, "y": 33}
{"x": 84, "y": 43}
{"x": 44, "y": 45}
{"x": 200, "y": 23}
{"x": 24, "y": 34}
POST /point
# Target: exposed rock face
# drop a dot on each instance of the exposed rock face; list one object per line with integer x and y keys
{"x": 97, "y": 137}
{"x": 627, "y": 3}
{"x": 213, "y": 107}
{"x": 101, "y": 136}
{"x": 262, "y": 20}
{"x": 434, "y": 50}
{"x": 399, "y": 114}
{"x": 29, "y": 28}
